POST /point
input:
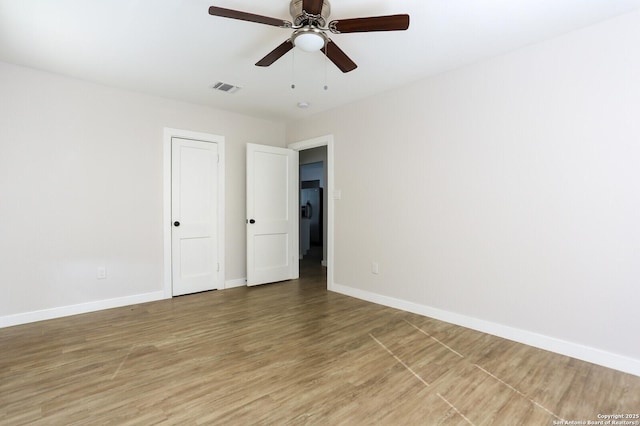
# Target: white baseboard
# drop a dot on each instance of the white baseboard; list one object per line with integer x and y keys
{"x": 81, "y": 308}
{"x": 574, "y": 350}
{"x": 240, "y": 282}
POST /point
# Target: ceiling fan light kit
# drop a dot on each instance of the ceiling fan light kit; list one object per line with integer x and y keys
{"x": 309, "y": 39}
{"x": 309, "y": 23}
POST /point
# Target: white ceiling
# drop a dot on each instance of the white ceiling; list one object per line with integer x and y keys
{"x": 175, "y": 49}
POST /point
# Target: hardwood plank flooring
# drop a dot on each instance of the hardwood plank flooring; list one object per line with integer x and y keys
{"x": 289, "y": 353}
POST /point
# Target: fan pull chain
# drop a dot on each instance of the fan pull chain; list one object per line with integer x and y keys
{"x": 326, "y": 61}
{"x": 293, "y": 69}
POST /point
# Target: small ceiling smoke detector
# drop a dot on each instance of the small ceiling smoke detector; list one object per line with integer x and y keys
{"x": 303, "y": 105}
{"x": 225, "y": 87}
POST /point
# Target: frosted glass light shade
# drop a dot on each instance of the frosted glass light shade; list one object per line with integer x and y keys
{"x": 309, "y": 42}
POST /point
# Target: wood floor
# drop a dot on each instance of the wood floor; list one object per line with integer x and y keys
{"x": 289, "y": 353}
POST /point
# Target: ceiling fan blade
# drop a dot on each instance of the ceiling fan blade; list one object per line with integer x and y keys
{"x": 338, "y": 57}
{"x": 374, "y": 23}
{"x": 275, "y": 54}
{"x": 244, "y": 16}
{"x": 312, "y": 7}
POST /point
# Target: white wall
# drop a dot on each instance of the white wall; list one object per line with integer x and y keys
{"x": 504, "y": 195}
{"x": 81, "y": 187}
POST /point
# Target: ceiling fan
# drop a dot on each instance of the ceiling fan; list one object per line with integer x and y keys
{"x": 310, "y": 27}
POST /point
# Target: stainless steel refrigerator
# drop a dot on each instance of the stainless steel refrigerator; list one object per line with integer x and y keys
{"x": 311, "y": 209}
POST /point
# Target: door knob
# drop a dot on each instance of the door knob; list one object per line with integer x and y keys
{"x": 252, "y": 221}
{"x": 176, "y": 223}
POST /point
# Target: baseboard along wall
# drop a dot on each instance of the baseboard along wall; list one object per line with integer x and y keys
{"x": 239, "y": 282}
{"x": 80, "y": 308}
{"x": 83, "y": 308}
{"x": 574, "y": 350}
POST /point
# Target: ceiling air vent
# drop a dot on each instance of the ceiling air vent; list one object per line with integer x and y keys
{"x": 225, "y": 87}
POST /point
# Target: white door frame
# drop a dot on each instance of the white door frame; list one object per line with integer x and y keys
{"x": 326, "y": 140}
{"x": 166, "y": 200}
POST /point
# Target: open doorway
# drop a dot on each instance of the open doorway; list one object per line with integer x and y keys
{"x": 317, "y": 263}
{"x": 313, "y": 211}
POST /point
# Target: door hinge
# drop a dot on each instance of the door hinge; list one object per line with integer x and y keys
{"x": 217, "y": 267}
{"x": 218, "y": 155}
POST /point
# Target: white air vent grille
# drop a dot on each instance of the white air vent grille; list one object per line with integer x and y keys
{"x": 225, "y": 87}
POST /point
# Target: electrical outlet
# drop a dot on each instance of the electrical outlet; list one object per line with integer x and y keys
{"x": 102, "y": 273}
{"x": 375, "y": 268}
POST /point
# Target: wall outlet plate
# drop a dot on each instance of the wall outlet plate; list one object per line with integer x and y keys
{"x": 101, "y": 274}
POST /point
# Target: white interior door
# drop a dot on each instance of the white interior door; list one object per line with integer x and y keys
{"x": 194, "y": 200}
{"x": 272, "y": 185}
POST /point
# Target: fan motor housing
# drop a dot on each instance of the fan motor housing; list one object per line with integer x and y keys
{"x": 301, "y": 18}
